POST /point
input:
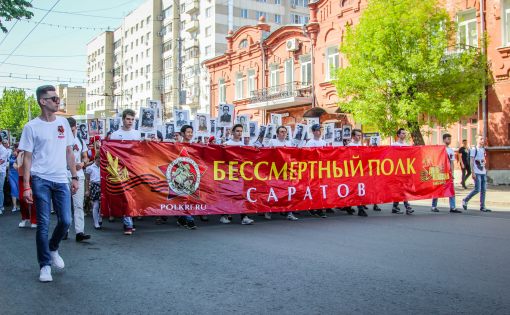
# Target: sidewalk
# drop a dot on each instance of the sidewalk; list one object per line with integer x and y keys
{"x": 496, "y": 198}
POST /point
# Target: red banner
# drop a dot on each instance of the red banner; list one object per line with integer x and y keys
{"x": 149, "y": 178}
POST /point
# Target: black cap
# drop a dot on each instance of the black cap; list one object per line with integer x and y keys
{"x": 316, "y": 127}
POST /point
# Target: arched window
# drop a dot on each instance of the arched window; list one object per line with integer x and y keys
{"x": 243, "y": 43}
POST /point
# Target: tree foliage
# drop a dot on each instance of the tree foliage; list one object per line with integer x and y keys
{"x": 14, "y": 108}
{"x": 82, "y": 108}
{"x": 403, "y": 67}
{"x": 14, "y": 9}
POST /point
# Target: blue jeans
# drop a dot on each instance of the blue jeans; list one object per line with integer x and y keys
{"x": 45, "y": 193}
{"x": 450, "y": 199}
{"x": 2, "y": 181}
{"x": 127, "y": 221}
{"x": 480, "y": 187}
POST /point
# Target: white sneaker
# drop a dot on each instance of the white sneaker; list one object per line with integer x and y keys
{"x": 23, "y": 223}
{"x": 33, "y": 226}
{"x": 224, "y": 220}
{"x": 45, "y": 275}
{"x": 15, "y": 209}
{"x": 247, "y": 221}
{"x": 1, "y": 212}
{"x": 291, "y": 217}
{"x": 267, "y": 216}
{"x": 56, "y": 260}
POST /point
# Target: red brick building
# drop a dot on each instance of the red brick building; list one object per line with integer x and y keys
{"x": 288, "y": 71}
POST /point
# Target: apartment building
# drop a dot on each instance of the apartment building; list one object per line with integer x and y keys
{"x": 71, "y": 97}
{"x": 99, "y": 74}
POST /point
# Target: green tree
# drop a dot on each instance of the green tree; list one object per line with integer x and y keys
{"x": 82, "y": 108}
{"x": 14, "y": 110}
{"x": 403, "y": 68}
{"x": 14, "y": 9}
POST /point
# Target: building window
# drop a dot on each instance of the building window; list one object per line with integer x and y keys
{"x": 167, "y": 46}
{"x": 259, "y": 14}
{"x": 306, "y": 70}
{"x": 243, "y": 44}
{"x": 296, "y": 19}
{"x": 207, "y": 50}
{"x": 274, "y": 77}
{"x": 289, "y": 72}
{"x": 239, "y": 86}
{"x": 208, "y": 12}
{"x": 332, "y": 61}
{"x": 278, "y": 19}
{"x": 277, "y": 1}
{"x": 244, "y": 13}
{"x": 468, "y": 33}
{"x": 222, "y": 91}
{"x": 208, "y": 31}
{"x": 148, "y": 85}
{"x": 251, "y": 82}
{"x": 148, "y": 19}
{"x": 505, "y": 16}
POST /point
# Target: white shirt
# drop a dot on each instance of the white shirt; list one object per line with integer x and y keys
{"x": 79, "y": 147}
{"x": 234, "y": 143}
{"x": 400, "y": 144}
{"x": 94, "y": 172}
{"x": 355, "y": 144}
{"x": 48, "y": 142}
{"x": 126, "y": 135}
{"x": 4, "y": 155}
{"x": 315, "y": 143}
{"x": 277, "y": 143}
{"x": 479, "y": 155}
{"x": 451, "y": 154}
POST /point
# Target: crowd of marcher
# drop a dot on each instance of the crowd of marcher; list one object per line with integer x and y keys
{"x": 54, "y": 171}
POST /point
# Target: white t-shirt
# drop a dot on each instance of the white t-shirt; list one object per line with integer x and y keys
{"x": 398, "y": 144}
{"x": 355, "y": 144}
{"x": 479, "y": 155}
{"x": 234, "y": 143}
{"x": 120, "y": 134}
{"x": 48, "y": 142}
{"x": 95, "y": 174}
{"x": 315, "y": 143}
{"x": 451, "y": 154}
{"x": 4, "y": 155}
{"x": 278, "y": 143}
{"x": 79, "y": 147}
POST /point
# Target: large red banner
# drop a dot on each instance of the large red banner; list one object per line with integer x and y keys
{"x": 150, "y": 178}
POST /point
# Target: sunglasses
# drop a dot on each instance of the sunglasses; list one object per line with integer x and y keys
{"x": 55, "y": 99}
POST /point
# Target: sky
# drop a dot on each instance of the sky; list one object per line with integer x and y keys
{"x": 56, "y": 46}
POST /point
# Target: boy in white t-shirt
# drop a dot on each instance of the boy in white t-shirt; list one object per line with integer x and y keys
{"x": 236, "y": 140}
{"x": 401, "y": 142}
{"x": 93, "y": 190}
{"x": 280, "y": 141}
{"x": 47, "y": 143}
{"x": 477, "y": 159}
{"x": 447, "y": 139}
{"x": 127, "y": 132}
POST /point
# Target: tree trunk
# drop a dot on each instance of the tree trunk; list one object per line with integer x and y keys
{"x": 414, "y": 129}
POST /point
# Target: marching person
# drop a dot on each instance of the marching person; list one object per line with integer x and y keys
{"x": 280, "y": 141}
{"x": 316, "y": 142}
{"x": 356, "y": 136}
{"x": 14, "y": 178}
{"x": 127, "y": 132}
{"x": 477, "y": 156}
{"x": 4, "y": 162}
{"x": 236, "y": 140}
{"x": 401, "y": 138}
{"x": 80, "y": 160}
{"x": 464, "y": 162}
{"x": 93, "y": 190}
{"x": 47, "y": 142}
{"x": 187, "y": 221}
{"x": 447, "y": 139}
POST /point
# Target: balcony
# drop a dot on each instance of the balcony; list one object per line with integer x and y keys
{"x": 191, "y": 26}
{"x": 190, "y": 43}
{"x": 192, "y": 6}
{"x": 280, "y": 96}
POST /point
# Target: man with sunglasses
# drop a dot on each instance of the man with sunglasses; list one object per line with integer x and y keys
{"x": 47, "y": 142}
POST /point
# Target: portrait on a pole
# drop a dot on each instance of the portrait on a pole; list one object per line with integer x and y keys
{"x": 225, "y": 115}
{"x": 181, "y": 118}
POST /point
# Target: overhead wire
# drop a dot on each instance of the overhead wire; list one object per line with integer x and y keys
{"x": 81, "y": 14}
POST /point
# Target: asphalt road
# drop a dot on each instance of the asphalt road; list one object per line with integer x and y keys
{"x": 385, "y": 264}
